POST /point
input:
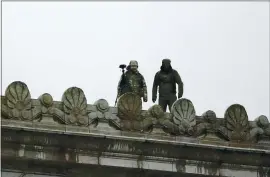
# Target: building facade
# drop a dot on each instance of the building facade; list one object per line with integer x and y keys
{"x": 42, "y": 137}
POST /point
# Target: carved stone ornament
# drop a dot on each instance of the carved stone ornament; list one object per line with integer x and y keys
{"x": 260, "y": 128}
{"x": 74, "y": 105}
{"x": 129, "y": 106}
{"x": 183, "y": 113}
{"x": 236, "y": 121}
{"x": 103, "y": 112}
{"x": 156, "y": 111}
{"x": 161, "y": 120}
{"x": 129, "y": 111}
{"x": 47, "y": 108}
{"x": 18, "y": 102}
{"x": 46, "y": 100}
{"x": 129, "y": 116}
{"x": 209, "y": 128}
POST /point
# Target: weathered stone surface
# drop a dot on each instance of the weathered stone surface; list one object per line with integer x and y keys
{"x": 78, "y": 150}
{"x": 74, "y": 105}
{"x": 166, "y": 169}
{"x": 102, "y": 105}
{"x": 209, "y": 128}
{"x": 129, "y": 107}
{"x": 5, "y": 110}
{"x": 12, "y": 123}
{"x": 236, "y": 121}
{"x": 162, "y": 121}
{"x": 76, "y": 129}
{"x": 260, "y": 127}
{"x": 18, "y": 101}
{"x": 183, "y": 113}
{"x": 134, "y": 145}
{"x": 129, "y": 111}
{"x": 102, "y": 113}
{"x": 151, "y": 142}
{"x": 156, "y": 111}
{"x": 46, "y": 99}
{"x": 45, "y": 111}
{"x": 129, "y": 116}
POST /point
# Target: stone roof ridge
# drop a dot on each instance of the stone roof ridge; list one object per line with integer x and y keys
{"x": 128, "y": 116}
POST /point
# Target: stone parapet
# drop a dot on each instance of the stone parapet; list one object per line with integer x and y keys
{"x": 74, "y": 112}
{"x": 72, "y": 133}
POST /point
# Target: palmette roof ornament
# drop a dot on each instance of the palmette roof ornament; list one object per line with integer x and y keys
{"x": 236, "y": 121}
{"x": 129, "y": 106}
{"x": 130, "y": 113}
{"x": 18, "y": 101}
{"x": 184, "y": 115}
{"x": 74, "y": 105}
{"x": 73, "y": 110}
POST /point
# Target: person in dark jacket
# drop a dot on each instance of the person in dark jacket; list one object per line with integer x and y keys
{"x": 166, "y": 79}
{"x": 132, "y": 81}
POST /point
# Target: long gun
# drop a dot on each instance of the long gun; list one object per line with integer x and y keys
{"x": 122, "y": 80}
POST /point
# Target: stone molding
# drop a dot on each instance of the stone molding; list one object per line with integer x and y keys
{"x": 84, "y": 150}
{"x": 74, "y": 138}
{"x": 74, "y": 112}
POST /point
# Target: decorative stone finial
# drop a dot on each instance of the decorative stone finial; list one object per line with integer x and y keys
{"x": 129, "y": 106}
{"x": 129, "y": 111}
{"x": 19, "y": 100}
{"x": 184, "y": 115}
{"x": 46, "y": 99}
{"x": 102, "y": 105}
{"x": 236, "y": 121}
{"x": 74, "y": 102}
{"x": 101, "y": 111}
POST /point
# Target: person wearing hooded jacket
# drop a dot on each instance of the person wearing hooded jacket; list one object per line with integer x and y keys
{"x": 165, "y": 81}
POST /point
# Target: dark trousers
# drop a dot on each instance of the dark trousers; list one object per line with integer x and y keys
{"x": 165, "y": 101}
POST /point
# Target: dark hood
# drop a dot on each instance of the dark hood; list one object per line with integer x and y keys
{"x": 170, "y": 69}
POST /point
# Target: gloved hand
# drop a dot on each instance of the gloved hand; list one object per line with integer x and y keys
{"x": 180, "y": 91}
{"x": 145, "y": 99}
{"x": 154, "y": 99}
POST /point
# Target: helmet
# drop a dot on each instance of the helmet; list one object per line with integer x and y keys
{"x": 133, "y": 63}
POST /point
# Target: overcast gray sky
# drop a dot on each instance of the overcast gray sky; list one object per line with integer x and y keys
{"x": 220, "y": 49}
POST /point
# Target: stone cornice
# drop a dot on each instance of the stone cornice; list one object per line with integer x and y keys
{"x": 74, "y": 112}
{"x": 74, "y": 133}
{"x": 39, "y": 128}
{"x": 72, "y": 148}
